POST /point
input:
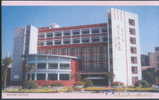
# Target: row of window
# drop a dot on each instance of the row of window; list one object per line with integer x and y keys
{"x": 53, "y": 66}
{"x": 74, "y": 41}
{"x": 74, "y": 32}
{"x": 51, "y": 76}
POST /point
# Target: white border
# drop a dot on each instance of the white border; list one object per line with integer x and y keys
{"x": 80, "y": 3}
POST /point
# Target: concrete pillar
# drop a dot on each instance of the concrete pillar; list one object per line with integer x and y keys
{"x": 35, "y": 76}
{"x": 58, "y": 76}
{"x": 46, "y": 76}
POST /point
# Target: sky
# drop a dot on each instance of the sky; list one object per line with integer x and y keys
{"x": 39, "y": 16}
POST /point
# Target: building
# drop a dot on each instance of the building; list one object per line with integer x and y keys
{"x": 145, "y": 61}
{"x": 50, "y": 69}
{"x": 25, "y": 43}
{"x": 151, "y": 60}
{"x": 154, "y": 58}
{"x": 111, "y": 46}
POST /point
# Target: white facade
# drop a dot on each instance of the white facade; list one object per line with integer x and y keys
{"x": 120, "y": 58}
{"x": 25, "y": 42}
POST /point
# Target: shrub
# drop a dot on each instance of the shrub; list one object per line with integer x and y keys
{"x": 87, "y": 83}
{"x": 142, "y": 83}
{"x": 56, "y": 84}
{"x": 117, "y": 84}
{"x": 79, "y": 83}
{"x": 30, "y": 85}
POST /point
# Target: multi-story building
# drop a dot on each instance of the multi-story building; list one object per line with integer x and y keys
{"x": 112, "y": 46}
{"x": 154, "y": 58}
{"x": 25, "y": 42}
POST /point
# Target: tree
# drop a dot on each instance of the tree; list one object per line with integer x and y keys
{"x": 110, "y": 77}
{"x": 5, "y": 64}
{"x": 149, "y": 75}
{"x": 26, "y": 68}
{"x": 142, "y": 83}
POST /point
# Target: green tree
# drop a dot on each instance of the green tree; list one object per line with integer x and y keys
{"x": 149, "y": 75}
{"x": 26, "y": 68}
{"x": 5, "y": 64}
{"x": 142, "y": 83}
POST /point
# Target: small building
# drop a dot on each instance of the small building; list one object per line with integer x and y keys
{"x": 49, "y": 69}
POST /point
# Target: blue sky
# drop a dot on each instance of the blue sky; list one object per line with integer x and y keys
{"x": 19, "y": 16}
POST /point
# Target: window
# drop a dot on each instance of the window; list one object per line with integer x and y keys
{"x": 85, "y": 31}
{"x": 95, "y": 39}
{"x": 66, "y": 33}
{"x": 41, "y": 43}
{"x": 85, "y": 40}
{"x": 66, "y": 41}
{"x": 95, "y": 30}
{"x": 32, "y": 76}
{"x": 133, "y": 50}
{"x": 64, "y": 66}
{"x": 52, "y": 77}
{"x": 49, "y": 43}
{"x": 28, "y": 76}
{"x": 132, "y": 31}
{"x": 76, "y": 32}
{"x": 57, "y": 34}
{"x": 49, "y": 35}
{"x": 57, "y": 42}
{"x": 132, "y": 22}
{"x": 134, "y": 70}
{"x": 104, "y": 29}
{"x": 41, "y": 36}
{"x": 53, "y": 66}
{"x": 104, "y": 38}
{"x": 133, "y": 40}
{"x": 41, "y": 66}
{"x": 40, "y": 76}
{"x": 134, "y": 60}
{"x": 64, "y": 76}
{"x": 134, "y": 80}
{"x": 76, "y": 40}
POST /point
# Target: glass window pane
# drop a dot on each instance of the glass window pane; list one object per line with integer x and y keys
{"x": 95, "y": 30}
{"x": 49, "y": 43}
{"x": 104, "y": 29}
{"x": 85, "y": 31}
{"x": 66, "y": 33}
{"x": 32, "y": 76}
{"x": 95, "y": 39}
{"x": 132, "y": 31}
{"x": 52, "y": 77}
{"x": 49, "y": 35}
{"x": 57, "y": 42}
{"x": 76, "y": 40}
{"x": 41, "y": 66}
{"x": 132, "y": 22}
{"x": 85, "y": 40}
{"x": 64, "y": 66}
{"x": 76, "y": 32}
{"x": 41, "y": 76}
{"x": 66, "y": 41}
{"x": 53, "y": 66}
{"x": 64, "y": 76}
{"x": 58, "y": 34}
